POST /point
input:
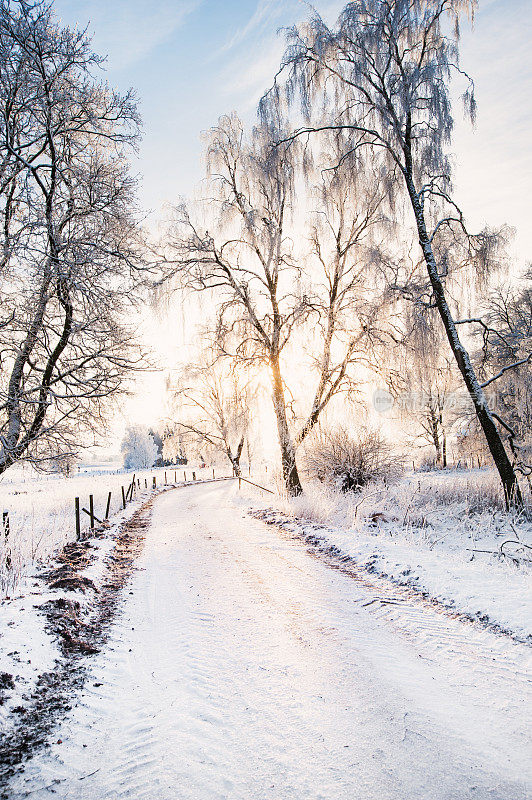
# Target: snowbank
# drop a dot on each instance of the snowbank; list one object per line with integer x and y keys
{"x": 441, "y": 534}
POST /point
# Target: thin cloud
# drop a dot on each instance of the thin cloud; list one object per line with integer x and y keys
{"x": 250, "y": 83}
{"x": 250, "y": 69}
{"x": 264, "y": 12}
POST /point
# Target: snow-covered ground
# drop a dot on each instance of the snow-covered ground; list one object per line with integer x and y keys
{"x": 27, "y": 647}
{"x": 41, "y": 511}
{"x": 440, "y": 533}
{"x": 242, "y": 667}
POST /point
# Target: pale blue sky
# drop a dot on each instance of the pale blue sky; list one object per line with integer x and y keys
{"x": 189, "y": 61}
{"x": 192, "y": 60}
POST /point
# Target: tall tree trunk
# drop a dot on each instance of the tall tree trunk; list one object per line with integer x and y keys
{"x": 288, "y": 453}
{"x": 235, "y": 459}
{"x": 434, "y": 430}
{"x": 504, "y": 466}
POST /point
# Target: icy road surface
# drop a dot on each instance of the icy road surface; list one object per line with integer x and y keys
{"x": 242, "y": 667}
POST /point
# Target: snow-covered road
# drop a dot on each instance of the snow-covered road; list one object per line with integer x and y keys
{"x": 242, "y": 667}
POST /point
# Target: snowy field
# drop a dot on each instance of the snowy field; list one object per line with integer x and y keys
{"x": 443, "y": 533}
{"x": 42, "y": 516}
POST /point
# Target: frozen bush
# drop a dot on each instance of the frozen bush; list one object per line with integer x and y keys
{"x": 428, "y": 464}
{"x": 138, "y": 448}
{"x": 350, "y": 462}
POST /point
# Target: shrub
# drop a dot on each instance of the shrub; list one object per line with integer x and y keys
{"x": 350, "y": 462}
{"x": 429, "y": 464}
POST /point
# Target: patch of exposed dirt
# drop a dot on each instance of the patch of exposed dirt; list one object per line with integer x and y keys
{"x": 81, "y": 629}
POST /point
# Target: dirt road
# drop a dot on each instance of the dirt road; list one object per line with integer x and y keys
{"x": 242, "y": 667}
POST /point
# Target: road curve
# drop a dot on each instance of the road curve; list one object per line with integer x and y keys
{"x": 243, "y": 668}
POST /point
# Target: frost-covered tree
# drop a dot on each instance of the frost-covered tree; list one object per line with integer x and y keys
{"x": 69, "y": 236}
{"x": 174, "y": 451}
{"x": 246, "y": 259}
{"x": 213, "y": 408}
{"x": 138, "y": 448}
{"x": 271, "y": 294}
{"x": 420, "y": 376}
{"x": 346, "y": 294}
{"x": 505, "y": 360}
{"x": 382, "y": 76}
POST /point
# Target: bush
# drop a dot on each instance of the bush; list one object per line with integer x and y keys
{"x": 350, "y": 462}
{"x": 429, "y": 464}
{"x": 138, "y": 448}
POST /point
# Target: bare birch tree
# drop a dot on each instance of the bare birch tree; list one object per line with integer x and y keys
{"x": 247, "y": 261}
{"x": 346, "y": 295}
{"x": 213, "y": 409}
{"x": 505, "y": 360}
{"x": 382, "y": 76}
{"x": 265, "y": 288}
{"x": 70, "y": 237}
{"x": 421, "y": 378}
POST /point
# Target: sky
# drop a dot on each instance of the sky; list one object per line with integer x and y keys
{"x": 191, "y": 61}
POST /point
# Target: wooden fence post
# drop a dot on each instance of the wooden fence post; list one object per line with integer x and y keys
{"x": 91, "y": 510}
{"x": 165, "y": 477}
{"x": 185, "y": 474}
{"x": 193, "y": 476}
{"x": 175, "y": 476}
{"x": 146, "y": 483}
{"x": 213, "y": 473}
{"x": 78, "y": 521}
{"x": 240, "y": 483}
{"x": 154, "y": 482}
{"x": 108, "y": 506}
{"x": 123, "y": 497}
{"x": 7, "y": 529}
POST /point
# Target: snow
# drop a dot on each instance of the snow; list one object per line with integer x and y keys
{"x": 41, "y": 511}
{"x": 241, "y": 666}
{"x": 428, "y": 533}
{"x": 27, "y": 649}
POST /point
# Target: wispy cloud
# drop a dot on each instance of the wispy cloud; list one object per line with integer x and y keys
{"x": 263, "y": 14}
{"x": 249, "y": 80}
{"x": 253, "y": 54}
{"x": 127, "y": 30}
